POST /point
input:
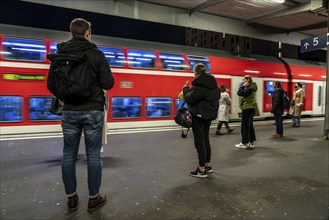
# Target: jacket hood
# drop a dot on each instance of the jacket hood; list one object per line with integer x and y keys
{"x": 75, "y": 45}
{"x": 254, "y": 86}
{"x": 206, "y": 80}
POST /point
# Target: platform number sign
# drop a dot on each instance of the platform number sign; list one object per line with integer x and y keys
{"x": 314, "y": 43}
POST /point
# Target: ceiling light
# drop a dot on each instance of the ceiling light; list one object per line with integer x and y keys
{"x": 276, "y": 1}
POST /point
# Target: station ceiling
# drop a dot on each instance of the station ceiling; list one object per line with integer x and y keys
{"x": 305, "y": 16}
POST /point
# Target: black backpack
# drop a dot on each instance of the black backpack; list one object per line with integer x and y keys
{"x": 183, "y": 118}
{"x": 286, "y": 101}
{"x": 73, "y": 76}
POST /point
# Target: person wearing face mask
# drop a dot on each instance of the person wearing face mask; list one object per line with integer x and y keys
{"x": 296, "y": 105}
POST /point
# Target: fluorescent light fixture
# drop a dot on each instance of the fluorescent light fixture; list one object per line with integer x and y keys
{"x": 276, "y": 1}
{"x": 251, "y": 71}
{"x": 305, "y": 75}
{"x": 278, "y": 73}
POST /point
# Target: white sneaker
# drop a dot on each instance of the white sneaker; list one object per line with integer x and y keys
{"x": 250, "y": 146}
{"x": 240, "y": 145}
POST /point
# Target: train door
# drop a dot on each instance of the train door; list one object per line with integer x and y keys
{"x": 319, "y": 91}
{"x": 236, "y": 80}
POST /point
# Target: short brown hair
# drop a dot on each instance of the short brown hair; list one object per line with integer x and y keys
{"x": 200, "y": 68}
{"x": 247, "y": 77}
{"x": 79, "y": 26}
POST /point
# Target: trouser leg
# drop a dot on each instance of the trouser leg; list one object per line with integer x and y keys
{"x": 198, "y": 128}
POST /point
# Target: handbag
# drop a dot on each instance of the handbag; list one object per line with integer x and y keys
{"x": 56, "y": 107}
{"x": 183, "y": 117}
{"x": 256, "y": 108}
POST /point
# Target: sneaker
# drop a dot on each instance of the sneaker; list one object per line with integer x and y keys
{"x": 73, "y": 202}
{"x": 218, "y": 133}
{"x": 250, "y": 146}
{"x": 241, "y": 145}
{"x": 97, "y": 202}
{"x": 276, "y": 136}
{"x": 230, "y": 130}
{"x": 209, "y": 169}
{"x": 198, "y": 173}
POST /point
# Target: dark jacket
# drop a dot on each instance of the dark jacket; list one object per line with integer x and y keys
{"x": 277, "y": 102}
{"x": 203, "y": 97}
{"x": 99, "y": 66}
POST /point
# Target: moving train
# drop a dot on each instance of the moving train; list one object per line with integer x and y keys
{"x": 148, "y": 79}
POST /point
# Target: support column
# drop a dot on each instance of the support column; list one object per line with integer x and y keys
{"x": 326, "y": 116}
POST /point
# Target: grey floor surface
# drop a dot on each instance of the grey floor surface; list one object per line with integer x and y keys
{"x": 146, "y": 176}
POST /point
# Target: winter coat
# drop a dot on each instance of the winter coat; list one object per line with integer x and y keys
{"x": 297, "y": 103}
{"x": 98, "y": 65}
{"x": 277, "y": 102}
{"x": 224, "y": 105}
{"x": 247, "y": 96}
{"x": 203, "y": 97}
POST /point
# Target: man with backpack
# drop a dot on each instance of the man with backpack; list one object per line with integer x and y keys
{"x": 277, "y": 108}
{"x": 78, "y": 74}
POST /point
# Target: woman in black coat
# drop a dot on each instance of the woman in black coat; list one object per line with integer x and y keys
{"x": 203, "y": 100}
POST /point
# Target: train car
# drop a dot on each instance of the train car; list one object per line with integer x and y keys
{"x": 148, "y": 79}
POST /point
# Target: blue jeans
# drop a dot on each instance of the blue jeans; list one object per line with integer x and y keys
{"x": 296, "y": 120}
{"x": 278, "y": 124}
{"x": 91, "y": 123}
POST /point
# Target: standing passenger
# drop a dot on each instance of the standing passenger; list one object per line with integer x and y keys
{"x": 203, "y": 103}
{"x": 86, "y": 117}
{"x": 296, "y": 105}
{"x": 247, "y": 93}
{"x": 277, "y": 108}
{"x": 223, "y": 111}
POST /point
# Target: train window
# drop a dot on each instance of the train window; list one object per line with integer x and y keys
{"x": 193, "y": 60}
{"x": 39, "y": 109}
{"x": 24, "y": 49}
{"x": 126, "y": 107}
{"x": 179, "y": 103}
{"x": 141, "y": 59}
{"x": 53, "y": 47}
{"x": 269, "y": 88}
{"x": 157, "y": 107}
{"x": 172, "y": 62}
{"x": 114, "y": 56}
{"x": 11, "y": 108}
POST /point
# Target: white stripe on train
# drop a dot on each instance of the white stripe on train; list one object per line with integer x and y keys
{"x": 134, "y": 71}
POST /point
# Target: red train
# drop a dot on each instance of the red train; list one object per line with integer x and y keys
{"x": 148, "y": 78}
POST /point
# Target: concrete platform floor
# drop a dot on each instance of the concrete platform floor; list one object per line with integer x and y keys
{"x": 146, "y": 176}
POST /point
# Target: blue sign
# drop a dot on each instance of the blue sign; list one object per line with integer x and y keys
{"x": 313, "y": 43}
